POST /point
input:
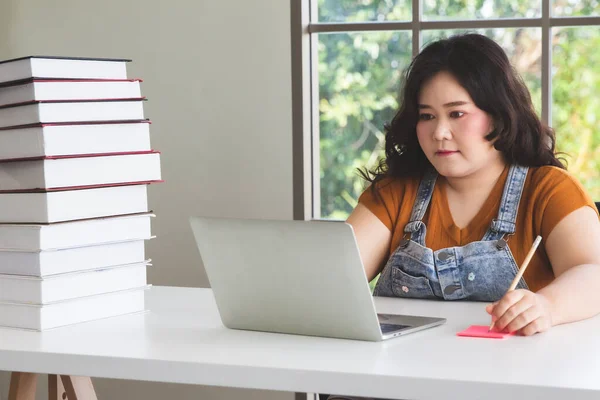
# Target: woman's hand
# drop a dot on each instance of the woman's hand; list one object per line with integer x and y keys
{"x": 521, "y": 311}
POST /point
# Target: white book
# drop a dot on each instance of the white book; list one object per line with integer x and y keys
{"x": 69, "y": 205}
{"x": 51, "y": 262}
{"x": 62, "y": 67}
{"x": 69, "y": 312}
{"x": 44, "y": 290}
{"x": 40, "y": 90}
{"x": 46, "y": 112}
{"x": 63, "y": 235}
{"x": 75, "y": 138}
{"x": 79, "y": 171}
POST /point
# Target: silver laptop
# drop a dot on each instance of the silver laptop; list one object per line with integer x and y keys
{"x": 298, "y": 277}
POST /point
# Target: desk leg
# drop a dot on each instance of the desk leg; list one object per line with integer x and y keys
{"x": 71, "y": 388}
{"x": 305, "y": 396}
{"x": 56, "y": 390}
{"x": 22, "y": 386}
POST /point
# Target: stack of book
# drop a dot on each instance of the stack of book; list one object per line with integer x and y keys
{"x": 75, "y": 163}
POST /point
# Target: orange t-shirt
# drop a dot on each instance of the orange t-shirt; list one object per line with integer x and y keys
{"x": 549, "y": 195}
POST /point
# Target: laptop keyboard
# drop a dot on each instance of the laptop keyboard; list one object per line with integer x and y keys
{"x": 386, "y": 328}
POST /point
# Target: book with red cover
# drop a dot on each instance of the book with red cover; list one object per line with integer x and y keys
{"x": 63, "y": 67}
{"x": 42, "y": 206}
{"x": 76, "y": 233}
{"x": 56, "y": 111}
{"x": 57, "y": 139}
{"x": 18, "y": 92}
{"x": 75, "y": 171}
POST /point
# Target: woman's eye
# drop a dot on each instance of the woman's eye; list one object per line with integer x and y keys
{"x": 456, "y": 114}
{"x": 425, "y": 117}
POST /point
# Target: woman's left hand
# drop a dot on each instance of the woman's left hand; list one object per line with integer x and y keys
{"x": 521, "y": 311}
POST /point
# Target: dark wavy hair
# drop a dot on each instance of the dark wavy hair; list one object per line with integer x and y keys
{"x": 481, "y": 67}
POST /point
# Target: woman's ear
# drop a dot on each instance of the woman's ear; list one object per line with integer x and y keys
{"x": 492, "y": 129}
{"x": 492, "y": 135}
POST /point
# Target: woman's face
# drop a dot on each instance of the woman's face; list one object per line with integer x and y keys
{"x": 451, "y": 129}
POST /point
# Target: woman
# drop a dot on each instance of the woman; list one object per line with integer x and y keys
{"x": 469, "y": 180}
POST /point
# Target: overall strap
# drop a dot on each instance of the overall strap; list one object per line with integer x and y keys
{"x": 416, "y": 227}
{"x": 505, "y": 223}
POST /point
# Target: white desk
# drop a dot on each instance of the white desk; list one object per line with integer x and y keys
{"x": 182, "y": 340}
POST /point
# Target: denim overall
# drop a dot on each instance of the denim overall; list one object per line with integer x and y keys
{"x": 479, "y": 271}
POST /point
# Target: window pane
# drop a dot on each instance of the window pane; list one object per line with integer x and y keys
{"x": 575, "y": 8}
{"x": 365, "y": 10}
{"x": 523, "y": 47}
{"x": 359, "y": 76}
{"x": 480, "y": 9}
{"x": 576, "y": 105}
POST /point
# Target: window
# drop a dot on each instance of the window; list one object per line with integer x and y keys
{"x": 356, "y": 51}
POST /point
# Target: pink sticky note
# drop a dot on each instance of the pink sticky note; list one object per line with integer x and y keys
{"x": 481, "y": 331}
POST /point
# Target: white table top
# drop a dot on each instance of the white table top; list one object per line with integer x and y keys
{"x": 181, "y": 339}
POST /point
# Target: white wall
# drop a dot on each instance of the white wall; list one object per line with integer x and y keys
{"x": 217, "y": 76}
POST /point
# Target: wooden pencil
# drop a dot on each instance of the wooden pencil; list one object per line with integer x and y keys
{"x": 524, "y": 265}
